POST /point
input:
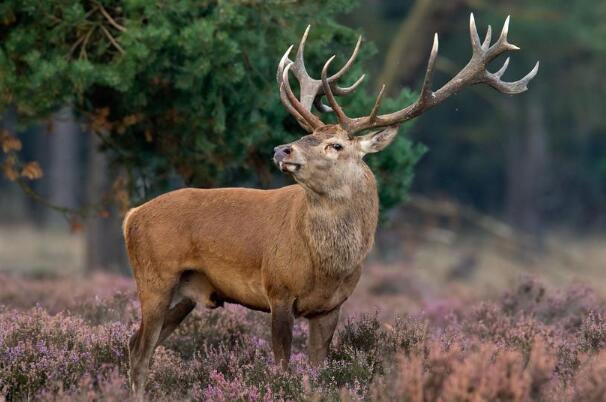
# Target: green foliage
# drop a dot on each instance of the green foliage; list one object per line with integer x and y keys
{"x": 180, "y": 88}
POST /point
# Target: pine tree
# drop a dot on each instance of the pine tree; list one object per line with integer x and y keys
{"x": 182, "y": 91}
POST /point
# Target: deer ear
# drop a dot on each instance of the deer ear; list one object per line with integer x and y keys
{"x": 377, "y": 140}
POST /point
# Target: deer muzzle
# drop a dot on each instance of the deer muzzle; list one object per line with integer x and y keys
{"x": 282, "y": 158}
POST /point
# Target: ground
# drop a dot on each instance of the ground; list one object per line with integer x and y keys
{"x": 450, "y": 318}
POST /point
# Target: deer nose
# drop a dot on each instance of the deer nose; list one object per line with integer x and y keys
{"x": 281, "y": 152}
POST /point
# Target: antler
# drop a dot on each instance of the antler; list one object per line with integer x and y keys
{"x": 473, "y": 73}
{"x": 311, "y": 89}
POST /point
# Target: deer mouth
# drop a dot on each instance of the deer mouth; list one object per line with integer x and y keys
{"x": 289, "y": 167}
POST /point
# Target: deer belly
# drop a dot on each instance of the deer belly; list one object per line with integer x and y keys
{"x": 239, "y": 286}
{"x": 196, "y": 286}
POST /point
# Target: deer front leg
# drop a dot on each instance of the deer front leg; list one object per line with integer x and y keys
{"x": 282, "y": 320}
{"x": 321, "y": 330}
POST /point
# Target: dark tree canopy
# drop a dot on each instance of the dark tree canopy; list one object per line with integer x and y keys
{"x": 180, "y": 88}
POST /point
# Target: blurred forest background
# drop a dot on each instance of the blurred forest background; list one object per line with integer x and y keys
{"x": 106, "y": 104}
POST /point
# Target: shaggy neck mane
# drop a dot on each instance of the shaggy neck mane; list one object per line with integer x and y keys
{"x": 340, "y": 226}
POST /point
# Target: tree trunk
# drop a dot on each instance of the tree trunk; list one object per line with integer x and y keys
{"x": 13, "y": 207}
{"x": 63, "y": 165}
{"x": 527, "y": 158}
{"x": 39, "y": 142}
{"x": 104, "y": 245}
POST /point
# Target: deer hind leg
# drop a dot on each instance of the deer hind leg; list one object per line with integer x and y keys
{"x": 321, "y": 330}
{"x": 194, "y": 288}
{"x": 174, "y": 317}
{"x": 154, "y": 308}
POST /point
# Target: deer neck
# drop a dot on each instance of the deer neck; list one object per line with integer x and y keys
{"x": 339, "y": 227}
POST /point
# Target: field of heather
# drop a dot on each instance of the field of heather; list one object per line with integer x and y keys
{"x": 64, "y": 338}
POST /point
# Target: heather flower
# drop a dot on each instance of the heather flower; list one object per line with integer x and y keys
{"x": 531, "y": 344}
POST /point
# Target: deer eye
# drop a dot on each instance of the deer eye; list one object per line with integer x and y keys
{"x": 336, "y": 147}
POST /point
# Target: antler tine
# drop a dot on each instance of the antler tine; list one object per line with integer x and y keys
{"x": 487, "y": 39}
{"x": 505, "y": 30}
{"x": 344, "y": 121}
{"x": 501, "y": 45}
{"x": 340, "y": 91}
{"x": 283, "y": 61}
{"x": 510, "y": 88}
{"x": 321, "y": 106}
{"x": 313, "y": 121}
{"x": 349, "y": 62}
{"x": 299, "y": 65}
{"x": 375, "y": 108}
{"x": 473, "y": 73}
{"x": 475, "y": 38}
{"x": 502, "y": 70}
{"x": 426, "y": 91}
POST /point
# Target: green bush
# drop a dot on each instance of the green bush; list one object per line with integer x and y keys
{"x": 180, "y": 89}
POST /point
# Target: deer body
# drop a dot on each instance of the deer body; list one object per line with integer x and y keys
{"x": 295, "y": 251}
{"x": 248, "y": 246}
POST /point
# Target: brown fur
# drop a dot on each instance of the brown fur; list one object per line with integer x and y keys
{"x": 295, "y": 251}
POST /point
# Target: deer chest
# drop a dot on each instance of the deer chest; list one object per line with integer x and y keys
{"x": 326, "y": 293}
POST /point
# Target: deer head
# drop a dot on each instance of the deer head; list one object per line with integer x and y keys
{"x": 331, "y": 156}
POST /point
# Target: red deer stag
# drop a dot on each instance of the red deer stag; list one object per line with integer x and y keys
{"x": 296, "y": 251}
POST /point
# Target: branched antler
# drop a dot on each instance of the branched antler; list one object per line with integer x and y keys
{"x": 311, "y": 90}
{"x": 474, "y": 72}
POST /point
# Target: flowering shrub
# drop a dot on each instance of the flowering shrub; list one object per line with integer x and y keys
{"x": 528, "y": 345}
